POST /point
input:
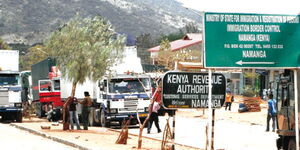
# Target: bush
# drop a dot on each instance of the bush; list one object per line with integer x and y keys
{"x": 250, "y": 92}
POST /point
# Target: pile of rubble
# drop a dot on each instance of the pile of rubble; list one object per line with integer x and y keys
{"x": 250, "y": 105}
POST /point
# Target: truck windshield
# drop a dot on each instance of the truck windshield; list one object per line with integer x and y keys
{"x": 9, "y": 79}
{"x": 131, "y": 85}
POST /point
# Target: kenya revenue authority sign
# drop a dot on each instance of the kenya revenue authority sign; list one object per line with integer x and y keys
{"x": 251, "y": 40}
{"x": 190, "y": 90}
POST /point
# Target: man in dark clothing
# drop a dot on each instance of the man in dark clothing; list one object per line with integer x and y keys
{"x": 73, "y": 113}
{"x": 86, "y": 103}
{"x": 154, "y": 117}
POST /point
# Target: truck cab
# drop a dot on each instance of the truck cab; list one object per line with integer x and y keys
{"x": 121, "y": 97}
{"x": 10, "y": 86}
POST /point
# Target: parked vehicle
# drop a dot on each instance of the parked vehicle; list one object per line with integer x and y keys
{"x": 46, "y": 88}
{"x": 122, "y": 92}
{"x": 121, "y": 96}
{"x": 10, "y": 87}
{"x": 286, "y": 110}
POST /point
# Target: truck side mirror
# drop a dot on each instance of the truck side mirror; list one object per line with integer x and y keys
{"x": 101, "y": 88}
{"x": 101, "y": 85}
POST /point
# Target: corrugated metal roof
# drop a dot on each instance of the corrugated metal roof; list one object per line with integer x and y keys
{"x": 187, "y": 41}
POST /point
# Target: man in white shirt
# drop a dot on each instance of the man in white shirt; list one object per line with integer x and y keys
{"x": 154, "y": 117}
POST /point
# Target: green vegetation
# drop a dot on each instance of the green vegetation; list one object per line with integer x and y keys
{"x": 35, "y": 54}
{"x": 251, "y": 88}
{"x": 85, "y": 48}
{"x": 4, "y": 45}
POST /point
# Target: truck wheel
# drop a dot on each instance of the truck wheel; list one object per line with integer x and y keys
{"x": 103, "y": 122}
{"x": 19, "y": 117}
{"x": 91, "y": 117}
{"x": 38, "y": 109}
{"x": 292, "y": 144}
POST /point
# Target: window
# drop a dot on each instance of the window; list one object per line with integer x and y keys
{"x": 45, "y": 86}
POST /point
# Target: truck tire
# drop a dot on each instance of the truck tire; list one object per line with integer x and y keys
{"x": 39, "y": 110}
{"x": 91, "y": 117}
{"x": 292, "y": 144}
{"x": 19, "y": 117}
{"x": 103, "y": 122}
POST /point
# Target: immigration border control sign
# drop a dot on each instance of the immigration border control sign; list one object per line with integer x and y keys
{"x": 190, "y": 90}
{"x": 251, "y": 40}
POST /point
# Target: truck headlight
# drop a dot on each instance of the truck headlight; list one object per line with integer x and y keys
{"x": 18, "y": 105}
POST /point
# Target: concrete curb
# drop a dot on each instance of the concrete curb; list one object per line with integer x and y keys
{"x": 56, "y": 139}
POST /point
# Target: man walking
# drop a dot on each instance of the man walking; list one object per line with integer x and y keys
{"x": 154, "y": 117}
{"x": 271, "y": 112}
{"x": 155, "y": 108}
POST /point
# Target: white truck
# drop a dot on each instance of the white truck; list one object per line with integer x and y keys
{"x": 122, "y": 93}
{"x": 113, "y": 101}
{"x": 121, "y": 96}
{"x": 10, "y": 86}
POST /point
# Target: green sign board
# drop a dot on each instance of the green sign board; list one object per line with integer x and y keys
{"x": 251, "y": 40}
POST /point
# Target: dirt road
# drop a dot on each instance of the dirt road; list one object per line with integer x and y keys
{"x": 233, "y": 131}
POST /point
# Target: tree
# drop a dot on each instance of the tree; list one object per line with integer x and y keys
{"x": 35, "y": 54}
{"x": 85, "y": 48}
{"x": 4, "y": 45}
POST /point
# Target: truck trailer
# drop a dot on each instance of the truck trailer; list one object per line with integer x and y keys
{"x": 46, "y": 87}
{"x": 10, "y": 86}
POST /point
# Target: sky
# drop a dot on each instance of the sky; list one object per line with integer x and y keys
{"x": 290, "y": 7}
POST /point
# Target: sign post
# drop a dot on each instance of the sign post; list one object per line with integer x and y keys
{"x": 210, "y": 146}
{"x": 296, "y": 109}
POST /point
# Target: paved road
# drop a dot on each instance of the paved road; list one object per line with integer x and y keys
{"x": 13, "y": 138}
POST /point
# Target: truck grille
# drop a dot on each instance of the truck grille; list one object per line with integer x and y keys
{"x": 4, "y": 97}
{"x": 129, "y": 105}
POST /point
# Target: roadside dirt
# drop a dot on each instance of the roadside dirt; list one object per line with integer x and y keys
{"x": 98, "y": 138}
{"x": 254, "y": 118}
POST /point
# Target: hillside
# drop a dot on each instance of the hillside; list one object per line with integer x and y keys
{"x": 31, "y": 21}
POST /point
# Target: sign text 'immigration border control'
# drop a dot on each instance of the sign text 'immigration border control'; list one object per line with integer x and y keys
{"x": 190, "y": 90}
{"x": 251, "y": 40}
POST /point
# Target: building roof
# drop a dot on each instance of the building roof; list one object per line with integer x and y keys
{"x": 188, "y": 40}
